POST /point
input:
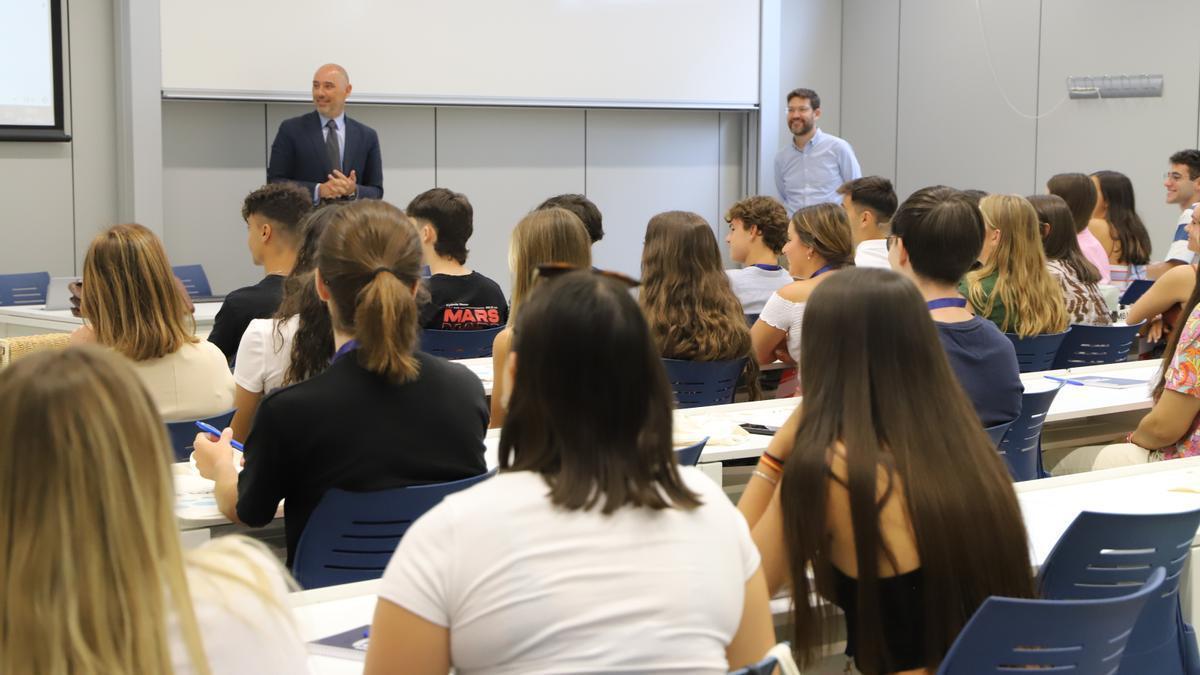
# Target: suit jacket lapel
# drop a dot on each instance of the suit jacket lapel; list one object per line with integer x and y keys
{"x": 316, "y": 136}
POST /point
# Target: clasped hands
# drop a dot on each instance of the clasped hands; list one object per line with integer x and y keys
{"x": 338, "y": 185}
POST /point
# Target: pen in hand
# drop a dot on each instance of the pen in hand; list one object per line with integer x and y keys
{"x": 204, "y": 426}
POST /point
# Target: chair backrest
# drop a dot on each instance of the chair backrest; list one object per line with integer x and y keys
{"x": 996, "y": 433}
{"x": 1011, "y": 635}
{"x": 24, "y": 289}
{"x": 1036, "y": 352}
{"x": 1021, "y": 446}
{"x": 1137, "y": 288}
{"x": 1096, "y": 345}
{"x": 764, "y": 667}
{"x": 750, "y": 319}
{"x": 1102, "y": 555}
{"x": 459, "y": 344}
{"x": 194, "y": 280}
{"x": 701, "y": 383}
{"x": 351, "y": 536}
{"x": 183, "y": 434}
{"x": 690, "y": 455}
{"x": 17, "y": 348}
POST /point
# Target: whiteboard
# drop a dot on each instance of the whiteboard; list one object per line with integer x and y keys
{"x": 595, "y": 53}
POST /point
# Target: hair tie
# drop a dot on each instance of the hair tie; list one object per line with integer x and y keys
{"x": 382, "y": 269}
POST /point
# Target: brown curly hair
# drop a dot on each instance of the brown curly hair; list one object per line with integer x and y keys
{"x": 765, "y": 213}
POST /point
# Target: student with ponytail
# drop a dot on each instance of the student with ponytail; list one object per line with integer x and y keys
{"x": 383, "y": 414}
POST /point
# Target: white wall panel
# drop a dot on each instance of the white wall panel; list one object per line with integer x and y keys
{"x": 37, "y": 218}
{"x": 870, "y": 41}
{"x": 640, "y": 163}
{"x": 213, "y": 156}
{"x": 954, "y": 125}
{"x": 507, "y": 161}
{"x": 1133, "y": 135}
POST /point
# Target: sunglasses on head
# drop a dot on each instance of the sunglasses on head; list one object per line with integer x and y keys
{"x": 554, "y": 269}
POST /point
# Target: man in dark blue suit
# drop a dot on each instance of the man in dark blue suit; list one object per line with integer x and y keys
{"x": 331, "y": 155}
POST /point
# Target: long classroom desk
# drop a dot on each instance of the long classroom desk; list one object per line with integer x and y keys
{"x": 33, "y": 320}
{"x": 1048, "y": 507}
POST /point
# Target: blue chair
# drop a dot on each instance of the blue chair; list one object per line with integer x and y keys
{"x": 1137, "y": 288}
{"x": 183, "y": 434}
{"x": 24, "y": 289}
{"x": 1021, "y": 446}
{"x": 690, "y": 455}
{"x": 996, "y": 433}
{"x": 1096, "y": 345}
{"x": 1036, "y": 352}
{"x": 350, "y": 536}
{"x": 764, "y": 667}
{"x": 1103, "y": 555}
{"x": 194, "y": 280}
{"x": 702, "y": 383}
{"x": 1012, "y": 635}
{"x": 459, "y": 344}
{"x": 750, "y": 319}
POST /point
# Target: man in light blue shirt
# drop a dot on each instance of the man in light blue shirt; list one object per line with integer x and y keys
{"x": 812, "y": 167}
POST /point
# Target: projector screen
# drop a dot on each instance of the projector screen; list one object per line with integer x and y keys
{"x": 595, "y": 53}
{"x": 31, "y": 105}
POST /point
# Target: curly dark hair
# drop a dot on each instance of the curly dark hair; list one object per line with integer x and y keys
{"x": 284, "y": 204}
{"x": 765, "y": 213}
{"x": 313, "y": 345}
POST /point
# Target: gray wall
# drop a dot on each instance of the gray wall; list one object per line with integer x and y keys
{"x": 57, "y": 195}
{"x": 632, "y": 163}
{"x": 921, "y": 105}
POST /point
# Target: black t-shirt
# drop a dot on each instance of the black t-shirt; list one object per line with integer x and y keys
{"x": 252, "y": 302}
{"x": 986, "y": 365}
{"x": 468, "y": 302}
{"x": 351, "y": 429}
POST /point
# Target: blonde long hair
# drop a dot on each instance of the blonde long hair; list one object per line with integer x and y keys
{"x": 1032, "y": 298}
{"x": 686, "y": 297}
{"x": 130, "y": 297}
{"x": 91, "y": 558}
{"x": 545, "y": 236}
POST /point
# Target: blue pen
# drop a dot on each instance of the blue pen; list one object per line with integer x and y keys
{"x": 1063, "y": 380}
{"x": 204, "y": 426}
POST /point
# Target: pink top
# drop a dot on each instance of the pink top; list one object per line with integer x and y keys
{"x": 1093, "y": 250}
{"x": 1183, "y": 376}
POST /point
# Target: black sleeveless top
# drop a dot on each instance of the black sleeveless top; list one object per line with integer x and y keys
{"x": 901, "y": 599}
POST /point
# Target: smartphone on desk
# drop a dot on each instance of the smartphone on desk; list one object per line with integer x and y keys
{"x": 760, "y": 429}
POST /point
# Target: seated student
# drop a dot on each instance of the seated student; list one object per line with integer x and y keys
{"x": 869, "y": 202}
{"x": 1181, "y": 182}
{"x": 1013, "y": 289}
{"x": 1117, "y": 226}
{"x": 936, "y": 236}
{"x": 818, "y": 242}
{"x": 551, "y": 235}
{"x": 1079, "y": 192}
{"x": 686, "y": 297}
{"x": 757, "y": 232}
{"x": 1172, "y": 427}
{"x": 907, "y": 560}
{"x": 382, "y": 415}
{"x": 132, "y": 305}
{"x": 592, "y": 550}
{"x": 294, "y": 345}
{"x": 459, "y": 299}
{"x": 272, "y": 214}
{"x": 584, "y": 210}
{"x": 94, "y": 577}
{"x": 1065, "y": 262}
{"x": 1161, "y": 303}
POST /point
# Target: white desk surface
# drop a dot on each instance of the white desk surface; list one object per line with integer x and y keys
{"x": 1048, "y": 506}
{"x": 61, "y": 320}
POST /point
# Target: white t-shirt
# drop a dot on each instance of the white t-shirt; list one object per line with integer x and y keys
{"x": 526, "y": 587}
{"x": 872, "y": 253}
{"x": 245, "y": 624}
{"x": 1178, "y": 250}
{"x": 192, "y": 383}
{"x": 753, "y": 285}
{"x": 264, "y": 354}
{"x": 786, "y": 316}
